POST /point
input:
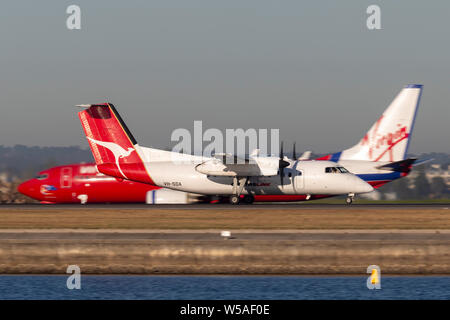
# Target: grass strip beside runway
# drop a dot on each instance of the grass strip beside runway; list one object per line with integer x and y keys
{"x": 216, "y": 218}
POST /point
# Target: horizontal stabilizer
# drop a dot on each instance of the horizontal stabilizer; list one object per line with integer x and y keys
{"x": 419, "y": 162}
{"x": 399, "y": 166}
{"x": 91, "y": 105}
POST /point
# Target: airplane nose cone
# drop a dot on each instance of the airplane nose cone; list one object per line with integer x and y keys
{"x": 27, "y": 188}
{"x": 22, "y": 188}
{"x": 364, "y": 187}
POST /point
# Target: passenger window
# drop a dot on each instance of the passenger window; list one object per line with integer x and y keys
{"x": 328, "y": 170}
{"x": 84, "y": 177}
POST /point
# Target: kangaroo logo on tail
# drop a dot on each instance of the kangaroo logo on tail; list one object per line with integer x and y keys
{"x": 117, "y": 150}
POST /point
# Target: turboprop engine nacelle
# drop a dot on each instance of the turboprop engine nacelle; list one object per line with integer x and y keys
{"x": 166, "y": 196}
{"x": 255, "y": 166}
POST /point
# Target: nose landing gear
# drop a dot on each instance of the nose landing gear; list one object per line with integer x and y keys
{"x": 349, "y": 198}
{"x": 83, "y": 198}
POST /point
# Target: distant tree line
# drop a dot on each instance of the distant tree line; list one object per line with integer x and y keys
{"x": 418, "y": 187}
{"x": 24, "y": 162}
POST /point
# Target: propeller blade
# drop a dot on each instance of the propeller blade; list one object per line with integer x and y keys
{"x": 281, "y": 165}
{"x": 281, "y": 162}
{"x": 281, "y": 151}
{"x": 294, "y": 154}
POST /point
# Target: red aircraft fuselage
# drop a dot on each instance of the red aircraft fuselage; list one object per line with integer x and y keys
{"x": 75, "y": 182}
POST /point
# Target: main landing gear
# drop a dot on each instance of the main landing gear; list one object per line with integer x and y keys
{"x": 235, "y": 198}
{"x": 349, "y": 198}
{"x": 247, "y": 199}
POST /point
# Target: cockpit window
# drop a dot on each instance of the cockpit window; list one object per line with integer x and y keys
{"x": 342, "y": 169}
{"x": 335, "y": 170}
{"x": 42, "y": 176}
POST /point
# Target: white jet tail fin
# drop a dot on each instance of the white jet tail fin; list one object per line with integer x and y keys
{"x": 305, "y": 155}
{"x": 388, "y": 138}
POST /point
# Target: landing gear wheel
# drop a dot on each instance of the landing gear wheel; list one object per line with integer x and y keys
{"x": 349, "y": 200}
{"x": 234, "y": 199}
{"x": 248, "y": 199}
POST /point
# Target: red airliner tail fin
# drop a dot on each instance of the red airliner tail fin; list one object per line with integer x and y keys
{"x": 114, "y": 148}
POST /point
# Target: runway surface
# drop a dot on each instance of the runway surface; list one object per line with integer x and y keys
{"x": 262, "y": 206}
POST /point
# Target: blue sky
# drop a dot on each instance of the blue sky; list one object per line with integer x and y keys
{"x": 311, "y": 69}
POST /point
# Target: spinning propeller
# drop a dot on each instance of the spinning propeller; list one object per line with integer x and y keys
{"x": 282, "y": 164}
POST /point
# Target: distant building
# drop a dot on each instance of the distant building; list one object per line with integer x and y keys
{"x": 4, "y": 177}
{"x": 434, "y": 170}
{"x": 437, "y": 170}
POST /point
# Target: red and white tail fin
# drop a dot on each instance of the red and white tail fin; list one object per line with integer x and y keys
{"x": 388, "y": 138}
{"x": 115, "y": 150}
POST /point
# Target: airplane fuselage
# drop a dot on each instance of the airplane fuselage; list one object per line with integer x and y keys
{"x": 300, "y": 178}
{"x": 76, "y": 183}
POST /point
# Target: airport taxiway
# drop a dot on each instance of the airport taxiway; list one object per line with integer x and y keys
{"x": 213, "y": 235}
{"x": 207, "y": 252}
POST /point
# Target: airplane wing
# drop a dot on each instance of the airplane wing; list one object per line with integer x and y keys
{"x": 230, "y": 165}
{"x": 227, "y": 158}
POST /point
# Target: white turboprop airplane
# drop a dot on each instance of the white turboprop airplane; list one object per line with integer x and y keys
{"x": 117, "y": 154}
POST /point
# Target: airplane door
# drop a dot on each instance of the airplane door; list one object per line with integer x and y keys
{"x": 66, "y": 177}
{"x": 299, "y": 181}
